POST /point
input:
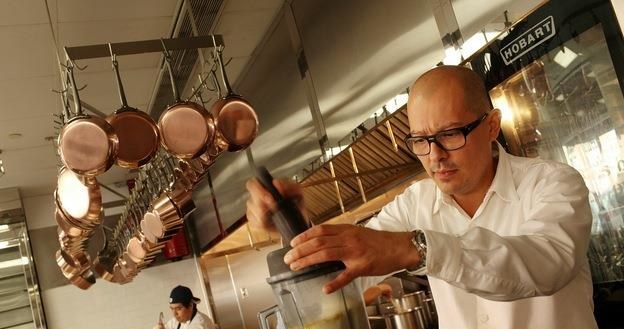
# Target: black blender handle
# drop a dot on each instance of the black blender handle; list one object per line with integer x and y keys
{"x": 265, "y": 178}
{"x": 288, "y": 219}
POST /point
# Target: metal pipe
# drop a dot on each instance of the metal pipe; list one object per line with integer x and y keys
{"x": 355, "y": 169}
{"x": 333, "y": 174}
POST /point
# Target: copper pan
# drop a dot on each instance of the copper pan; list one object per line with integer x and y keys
{"x": 129, "y": 265}
{"x": 147, "y": 231}
{"x": 121, "y": 273}
{"x": 138, "y": 134}
{"x": 79, "y": 197}
{"x": 84, "y": 225}
{"x": 160, "y": 232}
{"x": 186, "y": 127}
{"x": 183, "y": 201}
{"x": 87, "y": 145}
{"x": 135, "y": 250}
{"x": 71, "y": 245}
{"x": 151, "y": 248}
{"x": 164, "y": 209}
{"x": 235, "y": 119}
{"x": 70, "y": 230}
{"x": 104, "y": 271}
{"x": 83, "y": 280}
{"x": 72, "y": 265}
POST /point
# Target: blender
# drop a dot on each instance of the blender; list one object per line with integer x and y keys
{"x": 300, "y": 299}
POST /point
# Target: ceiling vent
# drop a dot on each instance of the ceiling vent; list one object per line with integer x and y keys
{"x": 183, "y": 61}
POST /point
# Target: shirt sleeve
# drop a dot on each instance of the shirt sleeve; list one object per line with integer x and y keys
{"x": 546, "y": 255}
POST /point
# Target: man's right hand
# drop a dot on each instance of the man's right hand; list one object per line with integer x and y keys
{"x": 261, "y": 205}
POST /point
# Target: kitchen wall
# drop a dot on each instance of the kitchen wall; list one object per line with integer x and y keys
{"x": 105, "y": 305}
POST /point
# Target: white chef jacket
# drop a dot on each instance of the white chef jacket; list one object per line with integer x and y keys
{"x": 520, "y": 262}
{"x": 200, "y": 321}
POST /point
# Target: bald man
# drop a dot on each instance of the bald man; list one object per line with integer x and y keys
{"x": 502, "y": 239}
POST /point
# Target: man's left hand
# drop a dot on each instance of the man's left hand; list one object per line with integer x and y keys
{"x": 364, "y": 251}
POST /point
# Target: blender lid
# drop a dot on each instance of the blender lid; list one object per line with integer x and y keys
{"x": 279, "y": 271}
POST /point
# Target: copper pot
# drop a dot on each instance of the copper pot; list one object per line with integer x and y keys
{"x": 235, "y": 119}
{"x": 87, "y": 145}
{"x": 186, "y": 127}
{"x": 137, "y": 132}
{"x": 69, "y": 229}
{"x": 83, "y": 280}
{"x": 79, "y": 198}
{"x": 72, "y": 264}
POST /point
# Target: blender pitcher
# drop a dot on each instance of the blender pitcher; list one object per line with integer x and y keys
{"x": 299, "y": 295}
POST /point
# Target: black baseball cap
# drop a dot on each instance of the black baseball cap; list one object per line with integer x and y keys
{"x": 182, "y": 295}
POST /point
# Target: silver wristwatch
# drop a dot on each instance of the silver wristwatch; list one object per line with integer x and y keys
{"x": 420, "y": 243}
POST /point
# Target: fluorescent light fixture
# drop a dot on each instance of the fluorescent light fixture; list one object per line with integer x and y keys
{"x": 564, "y": 57}
{"x": 11, "y": 263}
{"x": 4, "y": 228}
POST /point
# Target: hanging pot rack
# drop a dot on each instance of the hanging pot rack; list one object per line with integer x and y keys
{"x": 115, "y": 258}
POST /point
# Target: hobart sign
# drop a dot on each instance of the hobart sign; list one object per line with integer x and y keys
{"x": 528, "y": 40}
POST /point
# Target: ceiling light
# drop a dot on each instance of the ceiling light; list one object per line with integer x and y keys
{"x": 11, "y": 263}
{"x": 4, "y": 228}
{"x": 15, "y": 136}
{"x": 564, "y": 57}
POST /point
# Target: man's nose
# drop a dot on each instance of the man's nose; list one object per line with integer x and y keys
{"x": 437, "y": 153}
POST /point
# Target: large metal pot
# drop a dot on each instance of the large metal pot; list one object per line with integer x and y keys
{"x": 408, "y": 319}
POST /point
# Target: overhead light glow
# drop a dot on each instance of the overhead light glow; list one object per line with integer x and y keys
{"x": 73, "y": 194}
{"x": 500, "y": 103}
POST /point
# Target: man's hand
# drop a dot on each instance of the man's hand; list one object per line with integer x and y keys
{"x": 363, "y": 251}
{"x": 261, "y": 204}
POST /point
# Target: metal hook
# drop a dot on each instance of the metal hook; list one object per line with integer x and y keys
{"x": 60, "y": 91}
{"x": 73, "y": 64}
{"x": 203, "y": 84}
{"x": 165, "y": 51}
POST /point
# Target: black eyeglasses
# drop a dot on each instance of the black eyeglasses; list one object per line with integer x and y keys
{"x": 448, "y": 140}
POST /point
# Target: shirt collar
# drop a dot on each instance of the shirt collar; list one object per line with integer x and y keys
{"x": 502, "y": 184}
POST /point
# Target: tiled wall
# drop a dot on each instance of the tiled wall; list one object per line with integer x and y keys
{"x": 131, "y": 306}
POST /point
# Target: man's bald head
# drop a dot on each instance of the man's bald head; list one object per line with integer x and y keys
{"x": 464, "y": 82}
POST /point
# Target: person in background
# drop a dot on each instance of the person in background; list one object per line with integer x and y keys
{"x": 183, "y": 306}
{"x": 503, "y": 239}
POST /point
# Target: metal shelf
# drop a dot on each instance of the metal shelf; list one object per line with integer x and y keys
{"x": 144, "y": 46}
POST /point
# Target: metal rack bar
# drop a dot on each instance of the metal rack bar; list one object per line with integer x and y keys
{"x": 144, "y": 46}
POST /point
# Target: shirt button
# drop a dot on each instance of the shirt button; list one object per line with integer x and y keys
{"x": 484, "y": 318}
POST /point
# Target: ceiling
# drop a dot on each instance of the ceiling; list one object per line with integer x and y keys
{"x": 30, "y": 72}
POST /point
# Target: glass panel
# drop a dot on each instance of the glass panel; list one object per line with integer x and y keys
{"x": 568, "y": 106}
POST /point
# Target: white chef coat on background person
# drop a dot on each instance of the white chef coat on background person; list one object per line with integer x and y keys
{"x": 199, "y": 321}
{"x": 519, "y": 263}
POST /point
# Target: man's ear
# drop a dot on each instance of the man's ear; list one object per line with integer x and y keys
{"x": 494, "y": 124}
